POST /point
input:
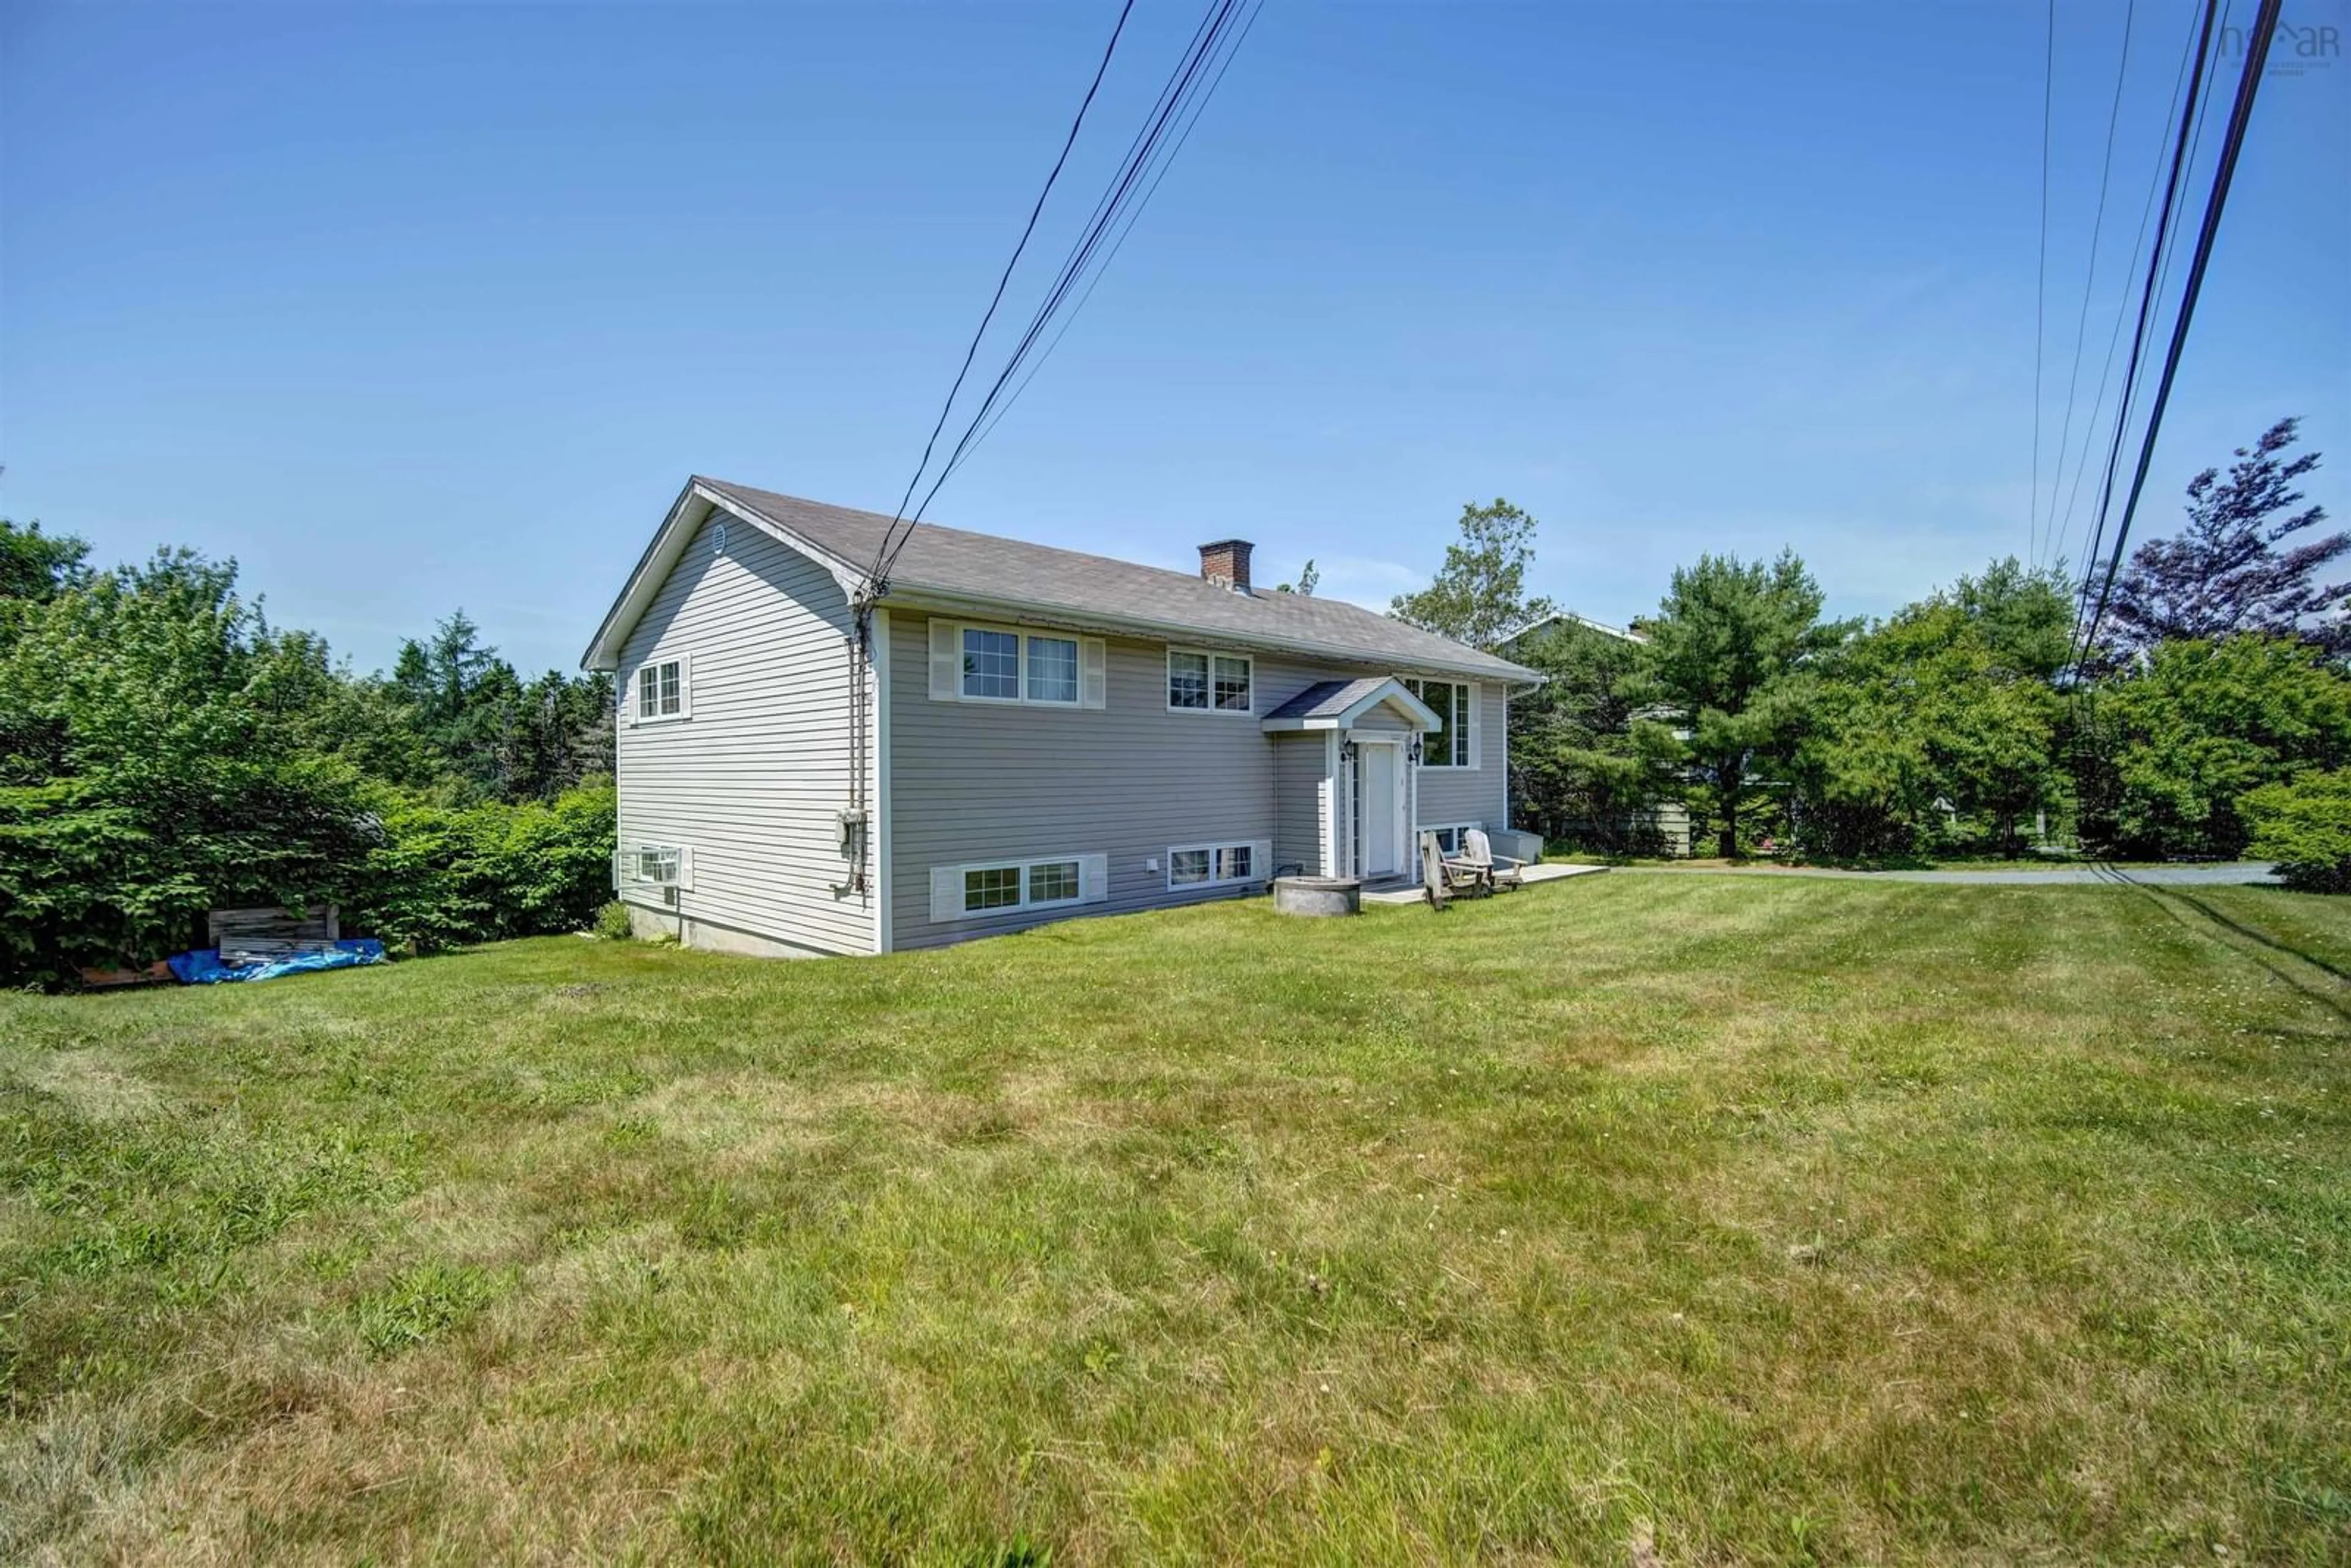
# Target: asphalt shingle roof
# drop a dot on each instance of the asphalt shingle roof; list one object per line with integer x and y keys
{"x": 1328, "y": 699}
{"x": 1012, "y": 572}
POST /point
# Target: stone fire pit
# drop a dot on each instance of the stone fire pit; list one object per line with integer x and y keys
{"x": 1318, "y": 895}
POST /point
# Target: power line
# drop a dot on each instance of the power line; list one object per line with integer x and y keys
{"x": 2241, "y": 114}
{"x": 2166, "y": 253}
{"x": 2041, "y": 277}
{"x": 1067, "y": 142}
{"x": 1140, "y": 154}
{"x": 2090, "y": 283}
{"x": 1119, "y": 244}
{"x": 1178, "y": 97}
{"x": 2147, "y": 303}
{"x": 2054, "y": 544}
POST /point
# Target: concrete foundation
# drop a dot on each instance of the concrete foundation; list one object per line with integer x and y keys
{"x": 712, "y": 937}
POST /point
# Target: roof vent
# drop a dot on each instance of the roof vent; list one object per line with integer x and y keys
{"x": 1226, "y": 564}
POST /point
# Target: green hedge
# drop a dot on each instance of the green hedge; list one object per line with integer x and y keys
{"x": 2303, "y": 825}
{"x": 446, "y": 876}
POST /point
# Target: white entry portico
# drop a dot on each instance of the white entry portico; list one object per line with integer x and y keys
{"x": 1369, "y": 733}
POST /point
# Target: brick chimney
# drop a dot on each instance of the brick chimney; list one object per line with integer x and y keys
{"x": 1226, "y": 564}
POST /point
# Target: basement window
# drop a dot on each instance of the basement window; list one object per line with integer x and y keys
{"x": 990, "y": 889}
{"x": 1215, "y": 865}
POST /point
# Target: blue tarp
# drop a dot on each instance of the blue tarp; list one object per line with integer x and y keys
{"x": 204, "y": 967}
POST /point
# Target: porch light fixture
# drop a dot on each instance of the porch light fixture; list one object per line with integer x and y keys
{"x": 1412, "y": 750}
{"x": 1346, "y": 751}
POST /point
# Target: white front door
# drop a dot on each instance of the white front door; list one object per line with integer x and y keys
{"x": 1382, "y": 804}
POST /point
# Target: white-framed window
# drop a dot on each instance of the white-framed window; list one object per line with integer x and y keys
{"x": 1056, "y": 882}
{"x": 1217, "y": 865}
{"x": 987, "y": 887}
{"x": 1455, "y": 704}
{"x": 974, "y": 663}
{"x": 982, "y": 888}
{"x": 991, "y": 664}
{"x": 660, "y": 865}
{"x": 662, "y": 691}
{"x": 1199, "y": 681}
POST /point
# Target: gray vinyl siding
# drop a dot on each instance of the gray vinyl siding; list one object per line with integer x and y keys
{"x": 1302, "y": 806}
{"x": 752, "y": 781}
{"x": 1479, "y": 794}
{"x": 974, "y": 782}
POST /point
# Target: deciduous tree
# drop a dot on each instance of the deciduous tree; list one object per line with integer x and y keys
{"x": 1939, "y": 727}
{"x": 1479, "y": 595}
{"x": 2231, "y": 569}
{"x": 2174, "y": 745}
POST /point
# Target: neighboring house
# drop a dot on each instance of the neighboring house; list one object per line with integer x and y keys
{"x": 1534, "y": 628}
{"x": 1036, "y": 733}
{"x": 1668, "y": 819}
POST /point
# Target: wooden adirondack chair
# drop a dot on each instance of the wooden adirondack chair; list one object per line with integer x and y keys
{"x": 1501, "y": 870}
{"x": 1441, "y": 878}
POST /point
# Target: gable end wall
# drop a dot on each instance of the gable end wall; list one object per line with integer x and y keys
{"x": 752, "y": 780}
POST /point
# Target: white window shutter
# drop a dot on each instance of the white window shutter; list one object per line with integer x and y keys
{"x": 685, "y": 686}
{"x": 685, "y": 867}
{"x": 946, "y": 674}
{"x": 947, "y": 889}
{"x": 1093, "y": 665}
{"x": 1093, "y": 879}
{"x": 1261, "y": 860}
{"x": 633, "y": 696}
{"x": 1476, "y": 727}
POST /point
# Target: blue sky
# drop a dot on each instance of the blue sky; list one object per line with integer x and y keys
{"x": 413, "y": 306}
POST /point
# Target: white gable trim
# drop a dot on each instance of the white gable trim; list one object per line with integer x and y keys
{"x": 687, "y": 514}
{"x": 1390, "y": 692}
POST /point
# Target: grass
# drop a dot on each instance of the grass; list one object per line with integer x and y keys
{"x": 1649, "y": 1219}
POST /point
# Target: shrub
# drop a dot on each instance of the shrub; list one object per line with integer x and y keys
{"x": 2174, "y": 748}
{"x": 612, "y": 922}
{"x": 446, "y": 876}
{"x": 2304, "y": 825}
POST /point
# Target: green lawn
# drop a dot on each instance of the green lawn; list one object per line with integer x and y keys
{"x": 1648, "y": 1219}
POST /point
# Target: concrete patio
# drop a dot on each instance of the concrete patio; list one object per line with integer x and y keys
{"x": 1409, "y": 892}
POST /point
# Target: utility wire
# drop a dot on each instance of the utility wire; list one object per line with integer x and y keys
{"x": 2041, "y": 278}
{"x": 2166, "y": 253}
{"x": 2055, "y": 550}
{"x": 2090, "y": 283}
{"x": 1067, "y": 142}
{"x": 2146, "y": 310}
{"x": 1174, "y": 100}
{"x": 1106, "y": 212}
{"x": 1120, "y": 242}
{"x": 2248, "y": 82}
